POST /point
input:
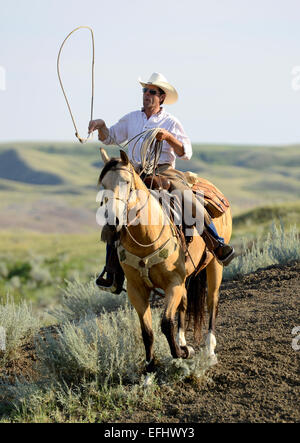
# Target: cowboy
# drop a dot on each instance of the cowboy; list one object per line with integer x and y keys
{"x": 175, "y": 143}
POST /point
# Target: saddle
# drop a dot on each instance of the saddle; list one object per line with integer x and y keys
{"x": 160, "y": 183}
{"x": 215, "y": 202}
{"x": 156, "y": 182}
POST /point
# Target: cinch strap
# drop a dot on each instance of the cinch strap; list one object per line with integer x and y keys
{"x": 144, "y": 264}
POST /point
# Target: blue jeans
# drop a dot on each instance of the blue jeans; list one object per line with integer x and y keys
{"x": 212, "y": 230}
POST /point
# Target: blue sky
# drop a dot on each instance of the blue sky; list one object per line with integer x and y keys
{"x": 230, "y": 60}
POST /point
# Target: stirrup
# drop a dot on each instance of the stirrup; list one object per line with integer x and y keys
{"x": 228, "y": 258}
{"x": 105, "y": 285}
{"x": 111, "y": 289}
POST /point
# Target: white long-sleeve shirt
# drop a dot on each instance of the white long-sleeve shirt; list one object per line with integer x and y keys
{"x": 136, "y": 122}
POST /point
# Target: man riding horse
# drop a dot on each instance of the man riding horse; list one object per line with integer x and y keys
{"x": 175, "y": 143}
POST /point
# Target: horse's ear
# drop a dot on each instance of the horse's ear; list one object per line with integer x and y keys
{"x": 124, "y": 157}
{"x": 104, "y": 155}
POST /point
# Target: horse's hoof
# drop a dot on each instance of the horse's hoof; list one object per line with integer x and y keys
{"x": 189, "y": 351}
{"x": 150, "y": 366}
{"x": 148, "y": 380}
{"x": 213, "y": 359}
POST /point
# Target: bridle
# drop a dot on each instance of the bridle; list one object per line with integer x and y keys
{"x": 132, "y": 187}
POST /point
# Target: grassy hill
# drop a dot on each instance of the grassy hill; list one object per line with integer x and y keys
{"x": 48, "y": 229}
{"x": 51, "y": 187}
{"x": 249, "y": 176}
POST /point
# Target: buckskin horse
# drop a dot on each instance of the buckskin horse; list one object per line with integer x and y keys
{"x": 153, "y": 257}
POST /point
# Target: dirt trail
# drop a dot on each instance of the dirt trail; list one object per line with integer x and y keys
{"x": 257, "y": 378}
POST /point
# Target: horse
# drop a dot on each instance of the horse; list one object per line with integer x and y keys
{"x": 152, "y": 256}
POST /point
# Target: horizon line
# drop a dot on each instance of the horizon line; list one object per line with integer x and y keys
{"x": 202, "y": 143}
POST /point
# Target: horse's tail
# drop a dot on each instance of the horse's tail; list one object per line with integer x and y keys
{"x": 196, "y": 291}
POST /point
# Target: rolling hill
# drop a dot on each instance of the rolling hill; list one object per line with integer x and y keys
{"x": 62, "y": 177}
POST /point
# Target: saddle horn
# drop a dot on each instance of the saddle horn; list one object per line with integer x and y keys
{"x": 104, "y": 155}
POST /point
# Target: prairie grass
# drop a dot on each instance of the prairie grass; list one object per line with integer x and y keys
{"x": 84, "y": 299}
{"x": 279, "y": 247}
{"x": 91, "y": 365}
{"x": 87, "y": 403}
{"x": 19, "y": 324}
{"x": 109, "y": 348}
{"x": 35, "y": 266}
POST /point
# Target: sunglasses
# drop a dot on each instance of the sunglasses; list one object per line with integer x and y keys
{"x": 151, "y": 91}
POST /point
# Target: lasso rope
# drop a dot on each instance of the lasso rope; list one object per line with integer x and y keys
{"x": 82, "y": 140}
{"x": 151, "y": 148}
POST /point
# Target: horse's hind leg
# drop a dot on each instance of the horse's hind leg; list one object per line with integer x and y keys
{"x": 139, "y": 298}
{"x": 180, "y": 338}
{"x": 181, "y": 321}
{"x": 214, "y": 273}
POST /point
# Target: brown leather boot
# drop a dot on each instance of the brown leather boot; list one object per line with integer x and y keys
{"x": 114, "y": 273}
{"x": 224, "y": 253}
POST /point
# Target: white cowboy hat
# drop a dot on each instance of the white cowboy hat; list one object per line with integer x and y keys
{"x": 159, "y": 80}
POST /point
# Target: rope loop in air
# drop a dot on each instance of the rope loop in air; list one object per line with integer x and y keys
{"x": 82, "y": 140}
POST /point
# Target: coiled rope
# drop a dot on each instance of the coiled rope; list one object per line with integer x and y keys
{"x": 150, "y": 150}
{"x": 82, "y": 140}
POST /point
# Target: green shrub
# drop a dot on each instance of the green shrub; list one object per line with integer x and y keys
{"x": 82, "y": 299}
{"x": 279, "y": 247}
{"x": 19, "y": 323}
{"x": 110, "y": 349}
{"x": 3, "y": 269}
{"x": 20, "y": 269}
{"x": 58, "y": 403}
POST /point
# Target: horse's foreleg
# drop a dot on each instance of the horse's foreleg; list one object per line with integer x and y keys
{"x": 140, "y": 301}
{"x": 174, "y": 296}
{"x": 214, "y": 278}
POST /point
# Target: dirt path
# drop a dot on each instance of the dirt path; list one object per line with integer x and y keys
{"x": 257, "y": 377}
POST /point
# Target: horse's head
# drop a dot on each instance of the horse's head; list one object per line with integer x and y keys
{"x": 116, "y": 179}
